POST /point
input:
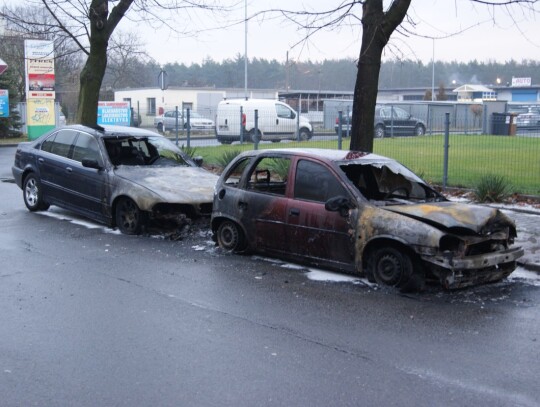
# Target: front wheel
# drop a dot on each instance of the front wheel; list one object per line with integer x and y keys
{"x": 304, "y": 134}
{"x": 230, "y": 237}
{"x": 395, "y": 268}
{"x": 379, "y": 131}
{"x": 32, "y": 194}
{"x": 129, "y": 217}
{"x": 419, "y": 130}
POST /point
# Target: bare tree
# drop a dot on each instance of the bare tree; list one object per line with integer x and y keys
{"x": 378, "y": 26}
{"x": 90, "y": 25}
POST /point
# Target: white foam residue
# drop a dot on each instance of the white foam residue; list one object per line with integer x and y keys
{"x": 529, "y": 277}
{"x": 328, "y": 276}
{"x": 80, "y": 222}
{"x": 292, "y": 266}
{"x": 198, "y": 247}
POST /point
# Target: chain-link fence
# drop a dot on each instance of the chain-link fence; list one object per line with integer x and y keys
{"x": 479, "y": 142}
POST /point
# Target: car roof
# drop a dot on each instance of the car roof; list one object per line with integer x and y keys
{"x": 108, "y": 130}
{"x": 327, "y": 154}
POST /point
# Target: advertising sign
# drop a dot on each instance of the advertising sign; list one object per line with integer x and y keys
{"x": 40, "y": 84}
{"x": 40, "y": 77}
{"x": 4, "y": 103}
{"x": 521, "y": 81}
{"x": 114, "y": 113}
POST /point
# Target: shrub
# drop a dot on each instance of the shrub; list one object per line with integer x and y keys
{"x": 190, "y": 151}
{"x": 224, "y": 159}
{"x": 492, "y": 188}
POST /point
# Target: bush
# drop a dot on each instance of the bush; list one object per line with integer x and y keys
{"x": 189, "y": 150}
{"x": 224, "y": 159}
{"x": 492, "y": 188}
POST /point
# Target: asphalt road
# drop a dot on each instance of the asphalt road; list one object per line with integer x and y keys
{"x": 94, "y": 318}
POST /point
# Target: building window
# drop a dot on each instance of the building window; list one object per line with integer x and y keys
{"x": 151, "y": 106}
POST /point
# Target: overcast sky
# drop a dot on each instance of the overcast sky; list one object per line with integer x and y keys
{"x": 495, "y": 33}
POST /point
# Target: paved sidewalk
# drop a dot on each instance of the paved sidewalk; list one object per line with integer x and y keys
{"x": 528, "y": 235}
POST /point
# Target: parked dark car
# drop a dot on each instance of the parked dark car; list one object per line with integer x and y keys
{"x": 120, "y": 176}
{"x": 359, "y": 213}
{"x": 389, "y": 121}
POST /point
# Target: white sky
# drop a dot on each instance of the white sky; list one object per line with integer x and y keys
{"x": 495, "y": 33}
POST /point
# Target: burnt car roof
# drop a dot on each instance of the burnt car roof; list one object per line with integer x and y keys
{"x": 339, "y": 156}
{"x": 106, "y": 131}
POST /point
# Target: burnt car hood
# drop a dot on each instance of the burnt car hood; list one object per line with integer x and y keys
{"x": 172, "y": 184}
{"x": 452, "y": 215}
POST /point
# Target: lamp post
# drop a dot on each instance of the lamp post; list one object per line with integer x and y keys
{"x": 433, "y": 72}
{"x": 245, "y": 51}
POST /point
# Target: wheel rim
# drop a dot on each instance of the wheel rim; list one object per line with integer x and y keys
{"x": 419, "y": 131}
{"x": 31, "y": 192}
{"x": 379, "y": 132}
{"x": 128, "y": 216}
{"x": 389, "y": 269}
{"x": 229, "y": 236}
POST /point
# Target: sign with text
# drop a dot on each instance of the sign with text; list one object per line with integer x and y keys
{"x": 4, "y": 103}
{"x": 40, "y": 76}
{"x": 521, "y": 81}
{"x": 114, "y": 113}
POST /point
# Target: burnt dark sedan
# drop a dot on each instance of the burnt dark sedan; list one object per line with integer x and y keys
{"x": 120, "y": 176}
{"x": 359, "y": 213}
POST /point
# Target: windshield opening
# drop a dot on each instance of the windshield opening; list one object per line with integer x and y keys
{"x": 140, "y": 151}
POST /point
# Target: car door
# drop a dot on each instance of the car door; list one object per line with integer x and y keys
{"x": 285, "y": 121}
{"x": 87, "y": 188}
{"x": 312, "y": 231}
{"x": 403, "y": 123}
{"x": 53, "y": 163}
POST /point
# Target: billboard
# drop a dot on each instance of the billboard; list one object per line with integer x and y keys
{"x": 114, "y": 113}
{"x": 40, "y": 85}
{"x": 4, "y": 103}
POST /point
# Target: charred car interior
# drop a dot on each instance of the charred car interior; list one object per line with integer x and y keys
{"x": 359, "y": 213}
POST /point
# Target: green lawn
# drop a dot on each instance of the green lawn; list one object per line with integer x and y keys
{"x": 470, "y": 157}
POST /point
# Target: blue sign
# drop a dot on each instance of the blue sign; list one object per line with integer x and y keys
{"x": 4, "y": 103}
{"x": 114, "y": 113}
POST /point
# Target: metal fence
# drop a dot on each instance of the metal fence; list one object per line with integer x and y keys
{"x": 479, "y": 142}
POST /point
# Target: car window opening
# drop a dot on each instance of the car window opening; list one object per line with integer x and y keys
{"x": 142, "y": 152}
{"x": 382, "y": 185}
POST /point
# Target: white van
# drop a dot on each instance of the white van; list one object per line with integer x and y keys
{"x": 276, "y": 121}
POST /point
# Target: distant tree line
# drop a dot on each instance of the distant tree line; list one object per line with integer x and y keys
{"x": 338, "y": 75}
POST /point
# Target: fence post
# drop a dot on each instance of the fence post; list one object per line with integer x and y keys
{"x": 340, "y": 131}
{"x": 348, "y": 122}
{"x": 241, "y": 126}
{"x": 446, "y": 147}
{"x": 392, "y": 121}
{"x": 175, "y": 125}
{"x": 298, "y": 123}
{"x": 188, "y": 127}
{"x": 256, "y": 130}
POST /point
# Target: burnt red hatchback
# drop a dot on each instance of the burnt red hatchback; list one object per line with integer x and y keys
{"x": 359, "y": 213}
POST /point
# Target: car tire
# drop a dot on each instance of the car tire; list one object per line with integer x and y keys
{"x": 379, "y": 131}
{"x": 33, "y": 195}
{"x": 128, "y": 217}
{"x": 304, "y": 134}
{"x": 419, "y": 130}
{"x": 160, "y": 127}
{"x": 230, "y": 237}
{"x": 393, "y": 267}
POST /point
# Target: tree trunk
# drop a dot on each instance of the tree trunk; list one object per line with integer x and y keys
{"x": 377, "y": 28}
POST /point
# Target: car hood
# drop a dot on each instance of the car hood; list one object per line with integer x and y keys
{"x": 172, "y": 184}
{"x": 451, "y": 215}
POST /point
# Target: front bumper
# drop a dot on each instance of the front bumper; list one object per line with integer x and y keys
{"x": 472, "y": 270}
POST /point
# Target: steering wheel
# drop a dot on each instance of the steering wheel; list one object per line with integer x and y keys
{"x": 398, "y": 188}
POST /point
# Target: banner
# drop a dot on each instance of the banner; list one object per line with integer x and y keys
{"x": 114, "y": 113}
{"x": 40, "y": 86}
{"x": 4, "y": 103}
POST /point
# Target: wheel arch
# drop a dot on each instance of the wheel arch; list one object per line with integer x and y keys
{"x": 387, "y": 241}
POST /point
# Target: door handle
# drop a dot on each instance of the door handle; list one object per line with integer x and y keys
{"x": 69, "y": 170}
{"x": 277, "y": 121}
{"x": 294, "y": 212}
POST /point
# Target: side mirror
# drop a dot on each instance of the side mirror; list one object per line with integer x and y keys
{"x": 91, "y": 163}
{"x": 198, "y": 160}
{"x": 339, "y": 204}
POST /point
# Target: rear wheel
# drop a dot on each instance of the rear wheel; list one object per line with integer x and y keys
{"x": 32, "y": 194}
{"x": 129, "y": 217}
{"x": 160, "y": 127}
{"x": 255, "y": 137}
{"x": 379, "y": 131}
{"x": 230, "y": 237}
